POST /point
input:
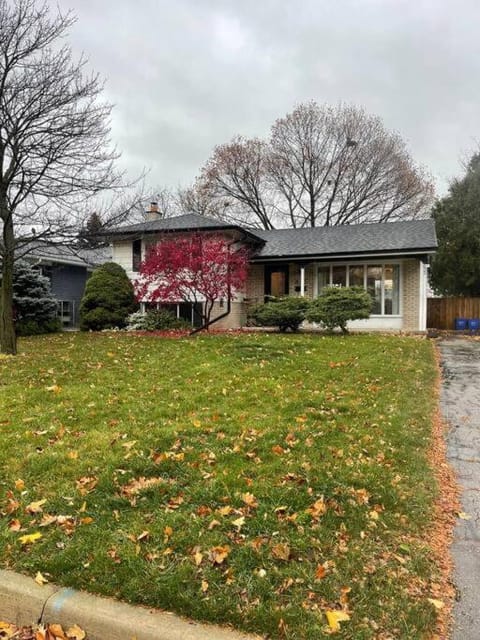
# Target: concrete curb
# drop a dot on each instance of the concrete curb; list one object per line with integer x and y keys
{"x": 24, "y": 602}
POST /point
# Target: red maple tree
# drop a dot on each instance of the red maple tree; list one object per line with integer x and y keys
{"x": 196, "y": 268}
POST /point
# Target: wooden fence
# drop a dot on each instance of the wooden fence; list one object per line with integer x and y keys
{"x": 441, "y": 312}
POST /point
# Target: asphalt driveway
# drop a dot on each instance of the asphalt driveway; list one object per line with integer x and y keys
{"x": 460, "y": 401}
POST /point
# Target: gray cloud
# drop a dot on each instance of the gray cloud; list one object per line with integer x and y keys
{"x": 188, "y": 74}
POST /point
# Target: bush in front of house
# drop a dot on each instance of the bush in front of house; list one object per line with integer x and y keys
{"x": 34, "y": 304}
{"x": 335, "y": 306}
{"x": 284, "y": 313}
{"x": 108, "y": 299}
{"x": 155, "y": 320}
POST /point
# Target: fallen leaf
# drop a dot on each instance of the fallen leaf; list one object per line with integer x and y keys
{"x": 15, "y": 525}
{"x": 86, "y": 484}
{"x": 320, "y": 572}
{"x": 464, "y": 516}
{"x": 55, "y": 388}
{"x": 217, "y": 555}
{"x": 438, "y": 604}
{"x": 335, "y": 617}
{"x": 76, "y": 633}
{"x": 35, "y": 507}
{"x": 40, "y": 579}
{"x": 55, "y": 631}
{"x": 30, "y": 538}
{"x": 250, "y": 500}
{"x": 317, "y": 509}
{"x": 204, "y": 586}
{"x": 7, "y": 630}
{"x": 137, "y": 485}
{"x": 143, "y": 536}
{"x": 19, "y": 485}
{"x": 281, "y": 551}
{"x": 239, "y": 522}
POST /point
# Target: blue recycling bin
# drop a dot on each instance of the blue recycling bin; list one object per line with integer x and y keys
{"x": 474, "y": 324}
{"x": 461, "y": 324}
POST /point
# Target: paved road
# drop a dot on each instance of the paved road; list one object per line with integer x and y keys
{"x": 460, "y": 401}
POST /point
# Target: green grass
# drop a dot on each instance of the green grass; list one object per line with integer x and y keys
{"x": 243, "y": 434}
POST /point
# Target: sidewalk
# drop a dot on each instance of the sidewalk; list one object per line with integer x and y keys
{"x": 460, "y": 402}
{"x": 23, "y": 602}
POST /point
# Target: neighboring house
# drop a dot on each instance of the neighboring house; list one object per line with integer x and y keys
{"x": 390, "y": 260}
{"x": 68, "y": 269}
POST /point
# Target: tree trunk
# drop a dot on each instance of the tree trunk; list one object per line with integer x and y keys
{"x": 8, "y": 342}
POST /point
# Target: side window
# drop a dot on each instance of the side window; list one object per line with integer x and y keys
{"x": 136, "y": 254}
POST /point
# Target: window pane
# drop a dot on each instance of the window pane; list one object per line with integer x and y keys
{"x": 323, "y": 278}
{"x": 374, "y": 287}
{"x": 339, "y": 276}
{"x": 392, "y": 289}
{"x": 136, "y": 254}
{"x": 356, "y": 276}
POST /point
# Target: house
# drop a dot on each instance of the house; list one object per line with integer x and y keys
{"x": 68, "y": 269}
{"x": 390, "y": 260}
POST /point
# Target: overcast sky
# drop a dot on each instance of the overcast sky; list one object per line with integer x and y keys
{"x": 188, "y": 74}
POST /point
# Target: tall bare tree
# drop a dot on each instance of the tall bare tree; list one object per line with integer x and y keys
{"x": 321, "y": 166}
{"x": 54, "y": 138}
{"x": 237, "y": 175}
{"x": 199, "y": 199}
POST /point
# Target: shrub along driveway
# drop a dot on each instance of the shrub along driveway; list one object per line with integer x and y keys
{"x": 461, "y": 408}
{"x": 275, "y": 482}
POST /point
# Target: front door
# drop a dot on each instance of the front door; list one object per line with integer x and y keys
{"x": 276, "y": 281}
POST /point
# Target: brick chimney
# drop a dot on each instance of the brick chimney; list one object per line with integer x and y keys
{"x": 153, "y": 213}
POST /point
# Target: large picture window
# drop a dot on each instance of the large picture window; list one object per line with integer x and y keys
{"x": 382, "y": 281}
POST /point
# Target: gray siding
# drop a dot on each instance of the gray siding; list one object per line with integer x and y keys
{"x": 68, "y": 283}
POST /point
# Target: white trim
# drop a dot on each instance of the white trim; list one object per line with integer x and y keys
{"x": 344, "y": 257}
{"x": 302, "y": 281}
{"x": 422, "y": 303}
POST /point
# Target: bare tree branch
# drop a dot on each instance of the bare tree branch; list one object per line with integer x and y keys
{"x": 55, "y": 151}
{"x": 322, "y": 166}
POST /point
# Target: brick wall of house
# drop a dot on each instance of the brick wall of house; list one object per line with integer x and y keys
{"x": 410, "y": 295}
{"x": 255, "y": 285}
{"x": 235, "y": 319}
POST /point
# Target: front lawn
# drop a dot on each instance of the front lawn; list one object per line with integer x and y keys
{"x": 257, "y": 480}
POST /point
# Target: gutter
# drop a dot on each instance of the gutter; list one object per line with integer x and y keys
{"x": 341, "y": 256}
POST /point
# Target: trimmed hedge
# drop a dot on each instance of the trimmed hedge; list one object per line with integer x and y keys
{"x": 108, "y": 299}
{"x": 284, "y": 313}
{"x": 335, "y": 306}
{"x": 155, "y": 320}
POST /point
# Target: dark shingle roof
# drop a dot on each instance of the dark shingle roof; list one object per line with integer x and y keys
{"x": 388, "y": 237}
{"x": 65, "y": 254}
{"x": 189, "y": 221}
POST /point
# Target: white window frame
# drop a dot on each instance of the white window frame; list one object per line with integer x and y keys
{"x": 372, "y": 263}
{"x": 61, "y": 312}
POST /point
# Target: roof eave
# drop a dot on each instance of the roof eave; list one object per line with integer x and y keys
{"x": 139, "y": 232}
{"x": 346, "y": 255}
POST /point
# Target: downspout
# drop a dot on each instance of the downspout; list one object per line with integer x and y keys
{"x": 229, "y": 304}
